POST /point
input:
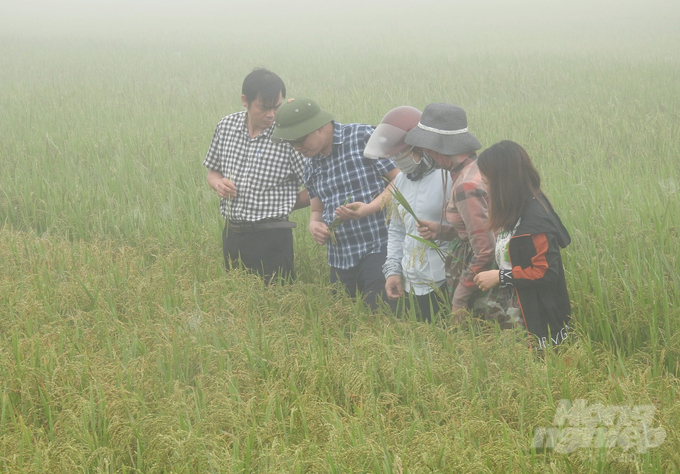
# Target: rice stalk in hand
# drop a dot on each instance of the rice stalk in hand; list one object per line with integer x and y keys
{"x": 336, "y": 223}
{"x": 407, "y": 207}
{"x": 403, "y": 202}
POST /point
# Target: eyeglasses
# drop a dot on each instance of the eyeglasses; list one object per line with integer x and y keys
{"x": 294, "y": 143}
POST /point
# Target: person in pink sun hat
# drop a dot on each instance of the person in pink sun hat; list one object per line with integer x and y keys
{"x": 413, "y": 271}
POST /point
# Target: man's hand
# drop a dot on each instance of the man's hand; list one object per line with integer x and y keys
{"x": 487, "y": 280}
{"x": 224, "y": 187}
{"x": 428, "y": 230}
{"x": 353, "y": 211}
{"x": 393, "y": 287}
{"x": 319, "y": 232}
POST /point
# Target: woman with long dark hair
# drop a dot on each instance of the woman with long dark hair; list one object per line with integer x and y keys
{"x": 532, "y": 289}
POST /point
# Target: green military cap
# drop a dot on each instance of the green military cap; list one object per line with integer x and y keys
{"x": 297, "y": 118}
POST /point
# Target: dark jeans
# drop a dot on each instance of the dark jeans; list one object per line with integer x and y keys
{"x": 428, "y": 305}
{"x": 269, "y": 253}
{"x": 367, "y": 278}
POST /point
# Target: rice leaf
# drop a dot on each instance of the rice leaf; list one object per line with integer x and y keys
{"x": 440, "y": 252}
{"x": 403, "y": 202}
{"x": 431, "y": 244}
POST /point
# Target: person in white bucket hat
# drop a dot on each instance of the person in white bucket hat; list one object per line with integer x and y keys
{"x": 443, "y": 134}
{"x": 412, "y": 269}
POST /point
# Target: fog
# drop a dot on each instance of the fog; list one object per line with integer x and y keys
{"x": 403, "y": 24}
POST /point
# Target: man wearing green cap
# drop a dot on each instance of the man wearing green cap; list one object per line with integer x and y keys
{"x": 345, "y": 185}
{"x": 258, "y": 181}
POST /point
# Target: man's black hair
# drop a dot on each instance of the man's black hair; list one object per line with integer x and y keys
{"x": 264, "y": 84}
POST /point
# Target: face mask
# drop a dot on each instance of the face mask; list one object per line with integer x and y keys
{"x": 433, "y": 164}
{"x": 406, "y": 163}
{"x": 424, "y": 166}
{"x": 427, "y": 162}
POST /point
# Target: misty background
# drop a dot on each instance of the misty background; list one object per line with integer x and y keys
{"x": 331, "y": 51}
{"x": 526, "y": 24}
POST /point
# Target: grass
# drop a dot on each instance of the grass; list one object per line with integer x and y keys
{"x": 124, "y": 347}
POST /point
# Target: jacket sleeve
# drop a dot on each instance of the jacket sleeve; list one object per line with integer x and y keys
{"x": 396, "y": 233}
{"x": 535, "y": 260}
{"x": 471, "y": 203}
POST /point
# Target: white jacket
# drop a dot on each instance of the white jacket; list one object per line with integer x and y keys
{"x": 421, "y": 266}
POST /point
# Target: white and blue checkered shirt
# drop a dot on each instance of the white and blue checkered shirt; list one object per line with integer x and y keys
{"x": 267, "y": 175}
{"x": 344, "y": 173}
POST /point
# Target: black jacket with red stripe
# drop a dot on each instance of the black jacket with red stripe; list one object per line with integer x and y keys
{"x": 538, "y": 273}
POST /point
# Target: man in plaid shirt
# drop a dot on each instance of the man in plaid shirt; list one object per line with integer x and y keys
{"x": 258, "y": 181}
{"x": 342, "y": 185}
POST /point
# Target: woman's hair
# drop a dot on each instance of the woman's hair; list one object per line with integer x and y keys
{"x": 512, "y": 179}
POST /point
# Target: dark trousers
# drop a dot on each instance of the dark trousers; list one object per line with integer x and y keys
{"x": 428, "y": 305}
{"x": 367, "y": 278}
{"x": 269, "y": 253}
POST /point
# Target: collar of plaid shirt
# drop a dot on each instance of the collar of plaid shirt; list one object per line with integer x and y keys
{"x": 455, "y": 172}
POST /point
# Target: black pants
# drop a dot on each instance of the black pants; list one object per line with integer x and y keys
{"x": 429, "y": 304}
{"x": 269, "y": 253}
{"x": 366, "y": 277}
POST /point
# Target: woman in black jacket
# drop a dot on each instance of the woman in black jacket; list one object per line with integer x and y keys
{"x": 530, "y": 235}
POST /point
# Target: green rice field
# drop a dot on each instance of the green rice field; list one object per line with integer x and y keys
{"x": 126, "y": 348}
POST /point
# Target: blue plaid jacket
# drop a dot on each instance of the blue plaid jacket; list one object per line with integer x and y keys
{"x": 344, "y": 173}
